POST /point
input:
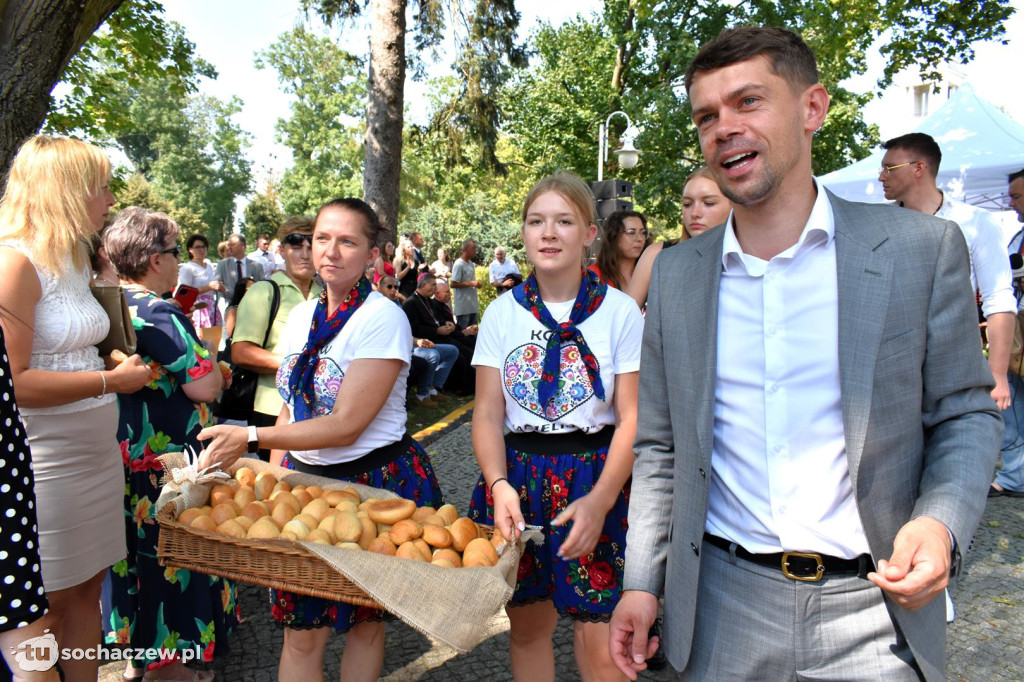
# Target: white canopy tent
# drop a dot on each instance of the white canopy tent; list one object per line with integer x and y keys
{"x": 980, "y": 147}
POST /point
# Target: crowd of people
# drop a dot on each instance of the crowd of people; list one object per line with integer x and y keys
{"x": 779, "y": 424}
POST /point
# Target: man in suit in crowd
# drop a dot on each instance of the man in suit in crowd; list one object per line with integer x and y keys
{"x": 263, "y": 255}
{"x": 815, "y": 435}
{"x": 230, "y": 270}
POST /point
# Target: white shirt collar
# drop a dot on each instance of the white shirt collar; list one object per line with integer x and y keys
{"x": 820, "y": 228}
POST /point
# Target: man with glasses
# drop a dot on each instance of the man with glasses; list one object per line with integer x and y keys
{"x": 909, "y": 168}
{"x": 504, "y": 272}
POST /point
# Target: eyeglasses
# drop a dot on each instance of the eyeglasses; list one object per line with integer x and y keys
{"x": 887, "y": 170}
{"x": 642, "y": 234}
{"x": 296, "y": 239}
{"x": 176, "y": 251}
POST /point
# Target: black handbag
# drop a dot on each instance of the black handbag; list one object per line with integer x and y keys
{"x": 237, "y": 400}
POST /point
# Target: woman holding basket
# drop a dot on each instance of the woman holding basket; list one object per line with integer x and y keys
{"x": 557, "y": 367}
{"x": 343, "y": 378}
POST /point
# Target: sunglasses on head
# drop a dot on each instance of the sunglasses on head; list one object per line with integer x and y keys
{"x": 296, "y": 239}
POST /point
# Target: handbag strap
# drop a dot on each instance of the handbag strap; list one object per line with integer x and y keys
{"x": 275, "y": 304}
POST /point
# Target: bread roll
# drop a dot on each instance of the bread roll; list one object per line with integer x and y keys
{"x": 444, "y": 563}
{"x": 369, "y": 533}
{"x": 303, "y": 497}
{"x": 189, "y": 515}
{"x": 425, "y": 550}
{"x": 315, "y": 491}
{"x": 298, "y": 528}
{"x": 286, "y": 497}
{"x": 391, "y": 511}
{"x": 449, "y": 513}
{"x": 308, "y": 520}
{"x": 246, "y": 476}
{"x": 224, "y": 511}
{"x": 434, "y": 520}
{"x": 347, "y": 527}
{"x": 479, "y": 552}
{"x": 383, "y": 546}
{"x": 231, "y": 528}
{"x": 318, "y": 536}
{"x": 317, "y": 508}
{"x": 256, "y": 510}
{"x": 463, "y": 532}
{"x": 435, "y": 536}
{"x": 408, "y": 550}
{"x": 422, "y": 513}
{"x": 244, "y": 495}
{"x": 245, "y": 522}
{"x": 282, "y": 514}
{"x": 333, "y": 497}
{"x": 203, "y": 522}
{"x": 405, "y": 530}
{"x": 449, "y": 555}
{"x": 264, "y": 485}
{"x": 263, "y": 529}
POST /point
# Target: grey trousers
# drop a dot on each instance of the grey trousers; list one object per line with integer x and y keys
{"x": 753, "y": 623}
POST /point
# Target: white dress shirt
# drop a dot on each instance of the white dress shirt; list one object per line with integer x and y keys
{"x": 780, "y": 478}
{"x": 266, "y": 259}
{"x": 990, "y": 266}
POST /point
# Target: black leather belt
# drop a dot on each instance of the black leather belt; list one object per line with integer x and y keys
{"x": 802, "y": 566}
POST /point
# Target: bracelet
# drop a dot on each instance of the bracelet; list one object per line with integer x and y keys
{"x": 104, "y": 391}
{"x": 496, "y": 482}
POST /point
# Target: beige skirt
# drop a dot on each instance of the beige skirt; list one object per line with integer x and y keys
{"x": 80, "y": 483}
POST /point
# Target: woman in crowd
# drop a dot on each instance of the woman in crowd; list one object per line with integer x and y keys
{"x": 382, "y": 266}
{"x": 405, "y": 268}
{"x": 442, "y": 267}
{"x": 23, "y": 600}
{"x": 625, "y": 238}
{"x": 569, "y": 405}
{"x": 346, "y": 361}
{"x": 198, "y": 272}
{"x": 704, "y": 207}
{"x": 147, "y": 602}
{"x": 294, "y": 285}
{"x": 57, "y": 197}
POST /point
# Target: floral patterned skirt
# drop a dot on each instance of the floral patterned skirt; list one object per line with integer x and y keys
{"x": 410, "y": 476}
{"x": 586, "y": 588}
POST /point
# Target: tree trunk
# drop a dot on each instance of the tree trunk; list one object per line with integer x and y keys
{"x": 37, "y": 39}
{"x": 384, "y": 111}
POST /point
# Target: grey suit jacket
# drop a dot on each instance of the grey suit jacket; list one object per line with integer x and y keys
{"x": 921, "y": 431}
{"x": 226, "y": 273}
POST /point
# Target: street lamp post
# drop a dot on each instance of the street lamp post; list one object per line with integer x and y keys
{"x": 627, "y": 153}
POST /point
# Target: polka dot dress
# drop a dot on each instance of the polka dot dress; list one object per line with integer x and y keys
{"x": 22, "y": 598}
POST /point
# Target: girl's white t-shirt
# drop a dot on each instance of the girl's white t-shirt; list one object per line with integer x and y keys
{"x": 514, "y": 342}
{"x": 378, "y": 330}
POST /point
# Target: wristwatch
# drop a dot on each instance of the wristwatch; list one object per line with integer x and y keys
{"x": 254, "y": 441}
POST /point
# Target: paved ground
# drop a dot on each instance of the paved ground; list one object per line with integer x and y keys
{"x": 985, "y": 643}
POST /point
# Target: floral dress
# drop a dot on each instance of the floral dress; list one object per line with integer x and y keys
{"x": 152, "y": 606}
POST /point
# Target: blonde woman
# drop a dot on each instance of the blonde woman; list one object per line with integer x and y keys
{"x": 557, "y": 363}
{"x": 704, "y": 207}
{"x": 57, "y": 197}
{"x": 405, "y": 268}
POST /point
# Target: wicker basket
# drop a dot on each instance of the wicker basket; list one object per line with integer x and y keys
{"x": 280, "y": 564}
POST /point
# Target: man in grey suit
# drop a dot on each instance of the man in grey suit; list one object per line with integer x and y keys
{"x": 816, "y": 435}
{"x": 238, "y": 266}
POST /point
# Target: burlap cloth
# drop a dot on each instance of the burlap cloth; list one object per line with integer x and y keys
{"x": 450, "y": 605}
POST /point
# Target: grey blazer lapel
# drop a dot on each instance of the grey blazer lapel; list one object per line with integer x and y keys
{"x": 702, "y": 331}
{"x": 865, "y": 270}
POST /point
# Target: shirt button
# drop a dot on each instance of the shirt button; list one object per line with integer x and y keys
{"x": 694, "y": 548}
{"x": 777, "y": 449}
{"x": 783, "y": 509}
{"x": 702, "y": 473}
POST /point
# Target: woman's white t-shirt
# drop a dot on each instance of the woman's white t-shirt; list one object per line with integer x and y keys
{"x": 513, "y": 341}
{"x": 378, "y": 330}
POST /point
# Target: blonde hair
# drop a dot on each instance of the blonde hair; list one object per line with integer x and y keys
{"x": 571, "y": 188}
{"x": 45, "y": 205}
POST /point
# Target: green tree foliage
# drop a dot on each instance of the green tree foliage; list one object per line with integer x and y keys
{"x": 324, "y": 128}
{"x": 137, "y": 191}
{"x": 263, "y": 215}
{"x": 633, "y": 58}
{"x": 134, "y": 86}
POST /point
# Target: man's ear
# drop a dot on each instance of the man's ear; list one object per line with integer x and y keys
{"x": 816, "y": 103}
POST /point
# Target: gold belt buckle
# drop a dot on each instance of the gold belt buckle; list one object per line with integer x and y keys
{"x": 803, "y": 555}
